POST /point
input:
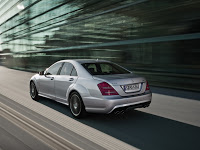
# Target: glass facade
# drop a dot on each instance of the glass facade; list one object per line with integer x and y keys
{"x": 157, "y": 39}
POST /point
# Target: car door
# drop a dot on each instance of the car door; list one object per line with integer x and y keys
{"x": 46, "y": 83}
{"x": 66, "y": 77}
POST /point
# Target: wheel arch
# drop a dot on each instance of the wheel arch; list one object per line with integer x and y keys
{"x": 35, "y": 82}
{"x": 81, "y": 90}
{"x": 71, "y": 93}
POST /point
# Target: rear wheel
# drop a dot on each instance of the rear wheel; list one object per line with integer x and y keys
{"x": 76, "y": 105}
{"x": 33, "y": 91}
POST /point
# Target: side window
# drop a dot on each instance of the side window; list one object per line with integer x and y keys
{"x": 66, "y": 69}
{"x": 53, "y": 70}
{"x": 74, "y": 73}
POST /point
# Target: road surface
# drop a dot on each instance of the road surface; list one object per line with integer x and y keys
{"x": 171, "y": 122}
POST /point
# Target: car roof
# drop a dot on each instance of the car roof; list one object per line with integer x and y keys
{"x": 82, "y": 61}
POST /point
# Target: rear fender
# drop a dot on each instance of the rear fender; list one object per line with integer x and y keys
{"x": 78, "y": 88}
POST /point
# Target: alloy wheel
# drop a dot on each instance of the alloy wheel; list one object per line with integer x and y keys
{"x": 75, "y": 105}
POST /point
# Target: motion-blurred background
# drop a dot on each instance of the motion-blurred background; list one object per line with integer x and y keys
{"x": 157, "y": 39}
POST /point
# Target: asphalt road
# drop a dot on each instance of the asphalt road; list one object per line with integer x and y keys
{"x": 12, "y": 137}
{"x": 140, "y": 129}
{"x": 171, "y": 122}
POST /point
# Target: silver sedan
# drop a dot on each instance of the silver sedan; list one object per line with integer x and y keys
{"x": 96, "y": 86}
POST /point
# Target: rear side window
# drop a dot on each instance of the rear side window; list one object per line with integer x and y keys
{"x": 66, "y": 69}
{"x": 104, "y": 69}
{"x": 73, "y": 73}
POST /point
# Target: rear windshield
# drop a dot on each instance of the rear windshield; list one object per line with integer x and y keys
{"x": 104, "y": 69}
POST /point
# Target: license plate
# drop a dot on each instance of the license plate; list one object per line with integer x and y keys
{"x": 131, "y": 87}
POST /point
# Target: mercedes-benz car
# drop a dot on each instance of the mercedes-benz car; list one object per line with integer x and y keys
{"x": 95, "y": 86}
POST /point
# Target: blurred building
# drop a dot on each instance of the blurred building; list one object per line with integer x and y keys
{"x": 158, "y": 39}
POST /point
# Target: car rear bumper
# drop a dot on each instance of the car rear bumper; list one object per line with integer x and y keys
{"x": 97, "y": 105}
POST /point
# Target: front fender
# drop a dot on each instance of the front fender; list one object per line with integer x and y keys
{"x": 35, "y": 80}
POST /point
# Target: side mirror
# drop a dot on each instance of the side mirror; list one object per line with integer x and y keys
{"x": 41, "y": 73}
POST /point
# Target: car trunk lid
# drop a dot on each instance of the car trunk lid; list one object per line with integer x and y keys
{"x": 124, "y": 84}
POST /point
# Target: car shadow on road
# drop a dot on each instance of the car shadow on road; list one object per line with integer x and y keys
{"x": 139, "y": 129}
{"x": 176, "y": 92}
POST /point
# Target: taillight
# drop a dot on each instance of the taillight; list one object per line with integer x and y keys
{"x": 147, "y": 86}
{"x": 106, "y": 89}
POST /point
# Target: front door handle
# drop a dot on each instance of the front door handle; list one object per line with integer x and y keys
{"x": 71, "y": 79}
{"x": 52, "y": 78}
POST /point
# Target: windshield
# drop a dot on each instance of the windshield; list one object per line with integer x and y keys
{"x": 104, "y": 69}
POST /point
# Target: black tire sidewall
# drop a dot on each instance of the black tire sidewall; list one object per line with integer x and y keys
{"x": 82, "y": 111}
{"x": 36, "y": 97}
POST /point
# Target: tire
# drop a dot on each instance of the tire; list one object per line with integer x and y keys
{"x": 76, "y": 105}
{"x": 33, "y": 91}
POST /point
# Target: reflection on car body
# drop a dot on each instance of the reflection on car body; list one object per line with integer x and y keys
{"x": 97, "y": 86}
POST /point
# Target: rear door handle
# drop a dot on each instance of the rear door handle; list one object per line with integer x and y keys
{"x": 52, "y": 78}
{"x": 71, "y": 79}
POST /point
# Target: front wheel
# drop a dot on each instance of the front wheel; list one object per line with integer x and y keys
{"x": 33, "y": 91}
{"x": 76, "y": 105}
